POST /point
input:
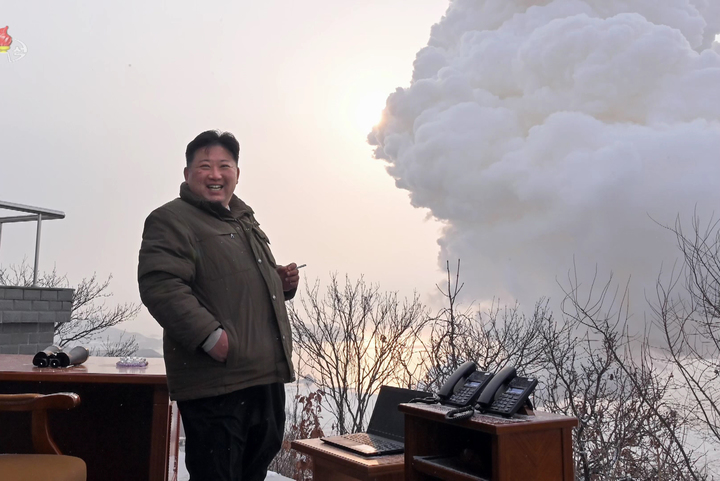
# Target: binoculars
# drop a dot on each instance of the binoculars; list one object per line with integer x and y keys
{"x": 53, "y": 356}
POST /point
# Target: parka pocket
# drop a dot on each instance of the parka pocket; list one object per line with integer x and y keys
{"x": 248, "y": 349}
{"x": 233, "y": 345}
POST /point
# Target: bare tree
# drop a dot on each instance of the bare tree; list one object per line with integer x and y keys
{"x": 121, "y": 348}
{"x": 494, "y": 338}
{"x": 687, "y": 312}
{"x": 355, "y": 339}
{"x": 631, "y": 427}
{"x": 89, "y": 315}
{"x": 22, "y": 275}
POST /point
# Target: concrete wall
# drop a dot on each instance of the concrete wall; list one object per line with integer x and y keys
{"x": 28, "y": 316}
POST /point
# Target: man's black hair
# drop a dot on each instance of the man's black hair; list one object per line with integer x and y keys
{"x": 210, "y": 138}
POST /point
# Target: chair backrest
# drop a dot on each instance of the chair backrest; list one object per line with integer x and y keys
{"x": 39, "y": 404}
{"x": 49, "y": 463}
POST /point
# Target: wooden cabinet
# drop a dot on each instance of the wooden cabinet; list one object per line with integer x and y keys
{"x": 486, "y": 448}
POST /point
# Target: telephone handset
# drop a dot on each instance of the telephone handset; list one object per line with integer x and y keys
{"x": 460, "y": 374}
{"x": 464, "y": 385}
{"x": 506, "y": 393}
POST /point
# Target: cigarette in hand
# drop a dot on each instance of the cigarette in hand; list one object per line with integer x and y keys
{"x": 301, "y": 266}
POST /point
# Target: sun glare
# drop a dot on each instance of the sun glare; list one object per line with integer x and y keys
{"x": 368, "y": 110}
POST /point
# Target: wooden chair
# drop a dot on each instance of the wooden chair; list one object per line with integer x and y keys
{"x": 48, "y": 463}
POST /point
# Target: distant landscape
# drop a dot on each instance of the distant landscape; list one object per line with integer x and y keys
{"x": 149, "y": 346}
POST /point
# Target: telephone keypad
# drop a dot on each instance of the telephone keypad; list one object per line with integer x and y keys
{"x": 505, "y": 402}
{"x": 519, "y": 389}
{"x": 469, "y": 392}
{"x": 463, "y": 396}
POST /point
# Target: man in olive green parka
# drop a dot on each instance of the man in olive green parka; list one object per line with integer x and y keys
{"x": 207, "y": 275}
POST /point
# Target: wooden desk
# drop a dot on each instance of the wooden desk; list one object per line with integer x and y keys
{"x": 335, "y": 464}
{"x": 485, "y": 448}
{"x": 125, "y": 427}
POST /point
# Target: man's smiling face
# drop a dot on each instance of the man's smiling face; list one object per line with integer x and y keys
{"x": 213, "y": 174}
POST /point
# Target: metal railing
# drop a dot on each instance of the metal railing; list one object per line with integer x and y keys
{"x": 38, "y": 214}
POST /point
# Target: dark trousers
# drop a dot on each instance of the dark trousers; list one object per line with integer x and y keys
{"x": 235, "y": 436}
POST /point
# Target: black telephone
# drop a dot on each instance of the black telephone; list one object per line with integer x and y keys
{"x": 465, "y": 394}
{"x": 506, "y": 393}
{"x": 503, "y": 393}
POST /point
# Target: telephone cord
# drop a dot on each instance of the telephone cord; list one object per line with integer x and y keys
{"x": 460, "y": 413}
{"x": 426, "y": 400}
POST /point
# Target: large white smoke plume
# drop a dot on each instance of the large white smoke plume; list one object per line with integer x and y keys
{"x": 542, "y": 131}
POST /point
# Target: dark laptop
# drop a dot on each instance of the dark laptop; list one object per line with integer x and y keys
{"x": 386, "y": 431}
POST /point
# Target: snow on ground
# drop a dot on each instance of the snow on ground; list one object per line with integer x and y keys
{"x": 184, "y": 476}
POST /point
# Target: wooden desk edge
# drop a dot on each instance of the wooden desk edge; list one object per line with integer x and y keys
{"x": 18, "y": 367}
{"x": 368, "y": 467}
{"x": 541, "y": 421}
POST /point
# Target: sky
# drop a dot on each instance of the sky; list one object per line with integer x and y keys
{"x": 95, "y": 118}
{"x": 520, "y": 136}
